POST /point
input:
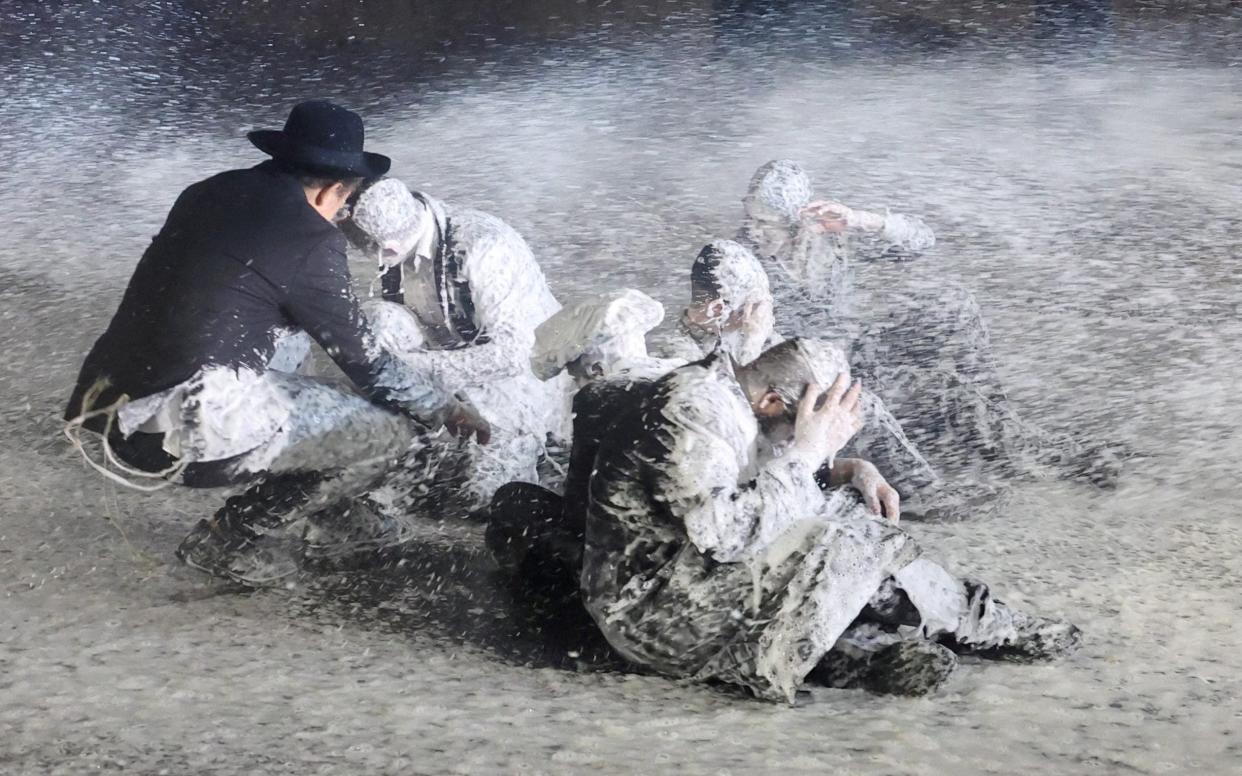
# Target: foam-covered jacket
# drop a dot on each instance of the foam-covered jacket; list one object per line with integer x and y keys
{"x": 466, "y": 319}
{"x": 703, "y": 560}
{"x": 241, "y": 262}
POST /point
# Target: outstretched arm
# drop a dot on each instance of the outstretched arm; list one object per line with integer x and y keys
{"x": 320, "y": 299}
{"x": 887, "y": 230}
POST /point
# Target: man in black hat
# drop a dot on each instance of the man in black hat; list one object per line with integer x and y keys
{"x": 185, "y": 384}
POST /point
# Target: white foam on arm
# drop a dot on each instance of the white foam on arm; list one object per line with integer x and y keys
{"x": 725, "y": 516}
{"x": 907, "y": 232}
{"x": 510, "y": 299}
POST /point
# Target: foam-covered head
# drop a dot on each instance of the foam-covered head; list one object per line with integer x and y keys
{"x": 778, "y": 191}
{"x": 597, "y": 335}
{"x": 729, "y": 272}
{"x": 786, "y": 369}
{"x": 390, "y": 219}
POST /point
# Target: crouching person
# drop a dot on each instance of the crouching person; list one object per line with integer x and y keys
{"x": 183, "y": 385}
{"x": 534, "y": 531}
{"x": 462, "y": 296}
{"x": 712, "y": 553}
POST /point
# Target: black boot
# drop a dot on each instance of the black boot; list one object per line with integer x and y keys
{"x": 351, "y": 533}
{"x": 1001, "y": 633}
{"x": 911, "y": 667}
{"x": 233, "y": 543}
{"x": 914, "y": 667}
{"x": 534, "y": 540}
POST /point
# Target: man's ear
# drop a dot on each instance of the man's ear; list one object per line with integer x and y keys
{"x": 715, "y": 309}
{"x": 770, "y": 405}
{"x": 324, "y": 195}
{"x": 321, "y": 195}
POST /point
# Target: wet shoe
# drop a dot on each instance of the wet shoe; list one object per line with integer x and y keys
{"x": 360, "y": 528}
{"x": 899, "y": 667}
{"x": 247, "y": 559}
{"x": 1036, "y": 638}
{"x": 909, "y": 668}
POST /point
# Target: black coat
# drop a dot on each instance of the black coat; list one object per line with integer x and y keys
{"x": 241, "y": 255}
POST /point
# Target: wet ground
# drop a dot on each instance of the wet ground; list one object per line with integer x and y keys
{"x": 1086, "y": 186}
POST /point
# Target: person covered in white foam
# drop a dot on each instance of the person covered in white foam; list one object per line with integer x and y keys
{"x": 462, "y": 296}
{"x": 921, "y": 343}
{"x": 603, "y": 343}
{"x": 535, "y": 530}
{"x": 602, "y": 336}
{"x": 814, "y": 241}
{"x": 712, "y": 552}
{"x": 731, "y": 309}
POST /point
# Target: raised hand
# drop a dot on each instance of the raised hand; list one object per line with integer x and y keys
{"x": 827, "y": 420}
{"x": 827, "y": 216}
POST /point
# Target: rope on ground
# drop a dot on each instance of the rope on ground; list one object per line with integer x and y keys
{"x": 73, "y": 432}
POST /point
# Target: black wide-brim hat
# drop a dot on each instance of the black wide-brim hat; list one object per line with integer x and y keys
{"x": 322, "y": 138}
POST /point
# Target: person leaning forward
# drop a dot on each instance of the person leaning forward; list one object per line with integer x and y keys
{"x": 194, "y": 379}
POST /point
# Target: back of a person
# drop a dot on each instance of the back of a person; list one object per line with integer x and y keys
{"x": 476, "y": 234}
{"x": 630, "y": 531}
{"x": 505, "y": 278}
{"x": 619, "y": 503}
{"x": 597, "y": 406}
{"x": 658, "y": 598}
{"x": 208, "y": 288}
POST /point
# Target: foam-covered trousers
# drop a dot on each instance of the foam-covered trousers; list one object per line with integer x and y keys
{"x": 333, "y": 447}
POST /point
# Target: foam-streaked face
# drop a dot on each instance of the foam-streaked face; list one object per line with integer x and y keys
{"x": 394, "y": 251}
{"x": 706, "y": 313}
{"x": 756, "y": 210}
{"x": 777, "y": 414}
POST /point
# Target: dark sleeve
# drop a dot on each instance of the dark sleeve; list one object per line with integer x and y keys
{"x": 320, "y": 299}
{"x": 390, "y": 285}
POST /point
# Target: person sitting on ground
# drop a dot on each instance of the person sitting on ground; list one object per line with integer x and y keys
{"x": 534, "y": 531}
{"x": 731, "y": 308}
{"x": 181, "y": 384}
{"x": 922, "y": 345}
{"x": 462, "y": 296}
{"x": 713, "y": 553}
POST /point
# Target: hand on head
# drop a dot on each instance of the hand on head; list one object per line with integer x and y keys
{"x": 827, "y": 420}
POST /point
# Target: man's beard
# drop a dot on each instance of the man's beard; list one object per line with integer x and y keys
{"x": 779, "y": 430}
{"x": 700, "y": 333}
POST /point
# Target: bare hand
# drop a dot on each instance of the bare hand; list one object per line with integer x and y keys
{"x": 463, "y": 420}
{"x": 826, "y": 421}
{"x": 827, "y": 216}
{"x": 881, "y": 498}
